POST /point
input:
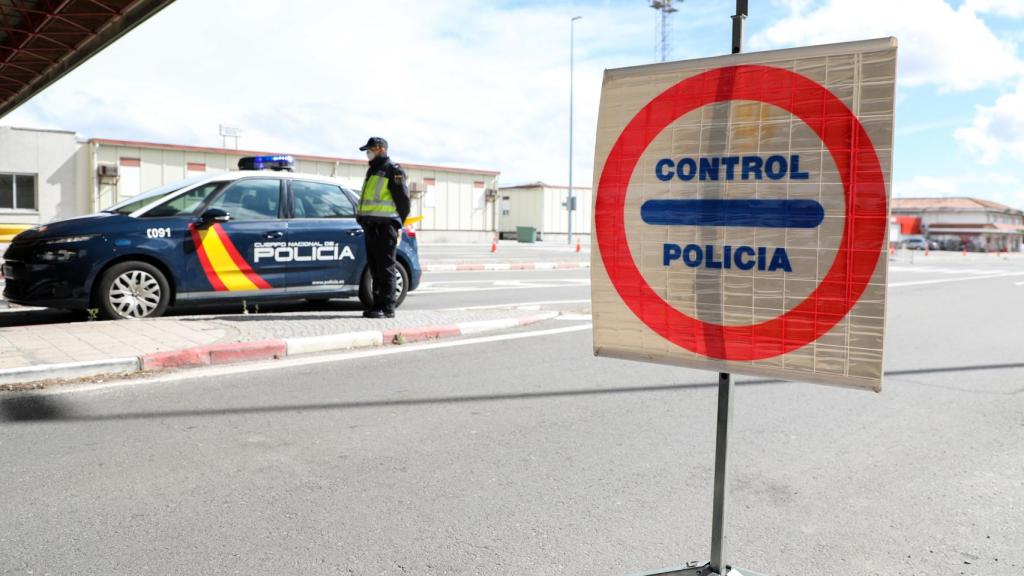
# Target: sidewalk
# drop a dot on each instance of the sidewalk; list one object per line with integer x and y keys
{"x": 32, "y": 353}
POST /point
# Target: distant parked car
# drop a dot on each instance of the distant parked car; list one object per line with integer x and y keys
{"x": 919, "y": 244}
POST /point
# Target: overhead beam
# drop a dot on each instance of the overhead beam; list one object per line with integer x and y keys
{"x": 105, "y": 36}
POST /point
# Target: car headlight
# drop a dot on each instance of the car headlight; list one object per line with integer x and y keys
{"x": 57, "y": 255}
{"x": 70, "y": 239}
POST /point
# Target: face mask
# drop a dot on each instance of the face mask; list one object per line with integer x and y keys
{"x": 370, "y": 155}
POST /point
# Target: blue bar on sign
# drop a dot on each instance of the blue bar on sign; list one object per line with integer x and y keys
{"x": 747, "y": 213}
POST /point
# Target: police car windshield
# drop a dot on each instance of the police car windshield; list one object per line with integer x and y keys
{"x": 144, "y": 199}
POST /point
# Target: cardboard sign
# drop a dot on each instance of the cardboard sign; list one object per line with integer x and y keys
{"x": 741, "y": 212}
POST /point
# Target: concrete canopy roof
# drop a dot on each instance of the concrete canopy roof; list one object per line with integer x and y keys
{"x": 949, "y": 204}
{"x": 42, "y": 40}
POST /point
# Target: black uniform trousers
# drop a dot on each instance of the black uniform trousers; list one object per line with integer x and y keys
{"x": 381, "y": 242}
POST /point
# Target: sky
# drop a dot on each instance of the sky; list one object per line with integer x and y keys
{"x": 486, "y": 84}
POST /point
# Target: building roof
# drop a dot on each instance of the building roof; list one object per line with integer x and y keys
{"x": 185, "y": 148}
{"x": 539, "y": 184}
{"x": 42, "y": 40}
{"x": 950, "y": 204}
{"x": 940, "y": 226}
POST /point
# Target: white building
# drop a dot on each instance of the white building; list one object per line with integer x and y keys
{"x": 980, "y": 225}
{"x": 46, "y": 175}
{"x": 43, "y": 176}
{"x": 543, "y": 207}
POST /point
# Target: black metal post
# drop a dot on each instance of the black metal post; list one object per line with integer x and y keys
{"x": 718, "y": 552}
{"x": 737, "y": 26}
{"x": 725, "y": 388}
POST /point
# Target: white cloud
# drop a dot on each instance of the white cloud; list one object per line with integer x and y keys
{"x": 953, "y": 49}
{"x": 996, "y": 186}
{"x": 997, "y": 130}
{"x": 922, "y": 186}
{"x": 459, "y": 82}
{"x": 1008, "y": 8}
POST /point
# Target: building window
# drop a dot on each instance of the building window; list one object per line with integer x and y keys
{"x": 17, "y": 192}
{"x": 129, "y": 182}
{"x": 195, "y": 169}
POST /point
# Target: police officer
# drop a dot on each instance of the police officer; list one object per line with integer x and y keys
{"x": 383, "y": 208}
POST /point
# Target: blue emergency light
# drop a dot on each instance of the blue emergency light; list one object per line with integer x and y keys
{"x": 276, "y": 163}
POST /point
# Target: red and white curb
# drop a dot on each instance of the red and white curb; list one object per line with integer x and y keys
{"x": 259, "y": 350}
{"x": 505, "y": 266}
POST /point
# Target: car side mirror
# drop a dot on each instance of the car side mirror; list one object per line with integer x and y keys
{"x": 214, "y": 215}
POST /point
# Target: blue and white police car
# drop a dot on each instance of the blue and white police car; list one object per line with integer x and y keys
{"x": 260, "y": 233}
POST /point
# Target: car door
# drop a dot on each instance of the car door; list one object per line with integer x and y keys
{"x": 167, "y": 234}
{"x": 243, "y": 256}
{"x": 327, "y": 241}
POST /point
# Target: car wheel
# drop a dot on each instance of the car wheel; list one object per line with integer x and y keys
{"x": 401, "y": 287}
{"x": 133, "y": 290}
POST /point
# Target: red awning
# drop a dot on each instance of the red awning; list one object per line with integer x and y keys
{"x": 909, "y": 224}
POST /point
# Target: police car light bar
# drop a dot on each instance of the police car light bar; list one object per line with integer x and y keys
{"x": 267, "y": 163}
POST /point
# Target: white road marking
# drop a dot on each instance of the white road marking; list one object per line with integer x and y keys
{"x": 944, "y": 280}
{"x": 284, "y": 363}
{"x": 518, "y": 304}
{"x": 574, "y": 317}
{"x": 440, "y": 288}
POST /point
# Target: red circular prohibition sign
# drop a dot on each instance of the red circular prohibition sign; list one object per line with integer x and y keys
{"x": 863, "y": 231}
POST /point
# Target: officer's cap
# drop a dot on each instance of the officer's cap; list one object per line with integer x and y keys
{"x": 374, "y": 141}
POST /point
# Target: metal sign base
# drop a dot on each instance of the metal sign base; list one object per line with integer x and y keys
{"x": 705, "y": 570}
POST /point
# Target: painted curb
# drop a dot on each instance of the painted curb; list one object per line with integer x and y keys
{"x": 248, "y": 351}
{"x": 402, "y": 335}
{"x": 333, "y": 342}
{"x": 214, "y": 354}
{"x": 259, "y": 350}
{"x": 185, "y": 358}
{"x": 505, "y": 266}
{"x": 69, "y": 370}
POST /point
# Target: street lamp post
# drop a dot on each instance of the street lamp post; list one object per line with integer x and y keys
{"x": 569, "y": 202}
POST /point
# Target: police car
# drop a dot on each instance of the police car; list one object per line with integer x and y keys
{"x": 260, "y": 233}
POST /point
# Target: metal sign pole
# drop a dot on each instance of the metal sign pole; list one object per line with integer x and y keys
{"x": 725, "y": 387}
{"x": 718, "y": 564}
{"x": 718, "y": 551}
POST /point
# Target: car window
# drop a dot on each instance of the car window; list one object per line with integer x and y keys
{"x": 255, "y": 199}
{"x": 136, "y": 202}
{"x": 185, "y": 204}
{"x": 319, "y": 200}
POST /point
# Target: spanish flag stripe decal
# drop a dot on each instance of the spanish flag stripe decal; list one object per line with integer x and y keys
{"x": 201, "y": 253}
{"x": 240, "y": 262}
{"x": 224, "y": 266}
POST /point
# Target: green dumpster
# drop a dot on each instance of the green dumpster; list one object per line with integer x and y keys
{"x": 526, "y": 234}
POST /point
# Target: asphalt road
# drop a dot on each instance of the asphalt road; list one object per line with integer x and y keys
{"x": 526, "y": 455}
{"x": 439, "y": 290}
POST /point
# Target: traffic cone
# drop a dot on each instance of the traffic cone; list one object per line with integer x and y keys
{"x": 892, "y": 248}
{"x": 965, "y": 249}
{"x": 578, "y": 246}
{"x": 926, "y": 249}
{"x": 494, "y": 245}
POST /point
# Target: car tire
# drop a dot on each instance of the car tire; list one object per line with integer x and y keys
{"x": 366, "y": 287}
{"x": 131, "y": 290}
